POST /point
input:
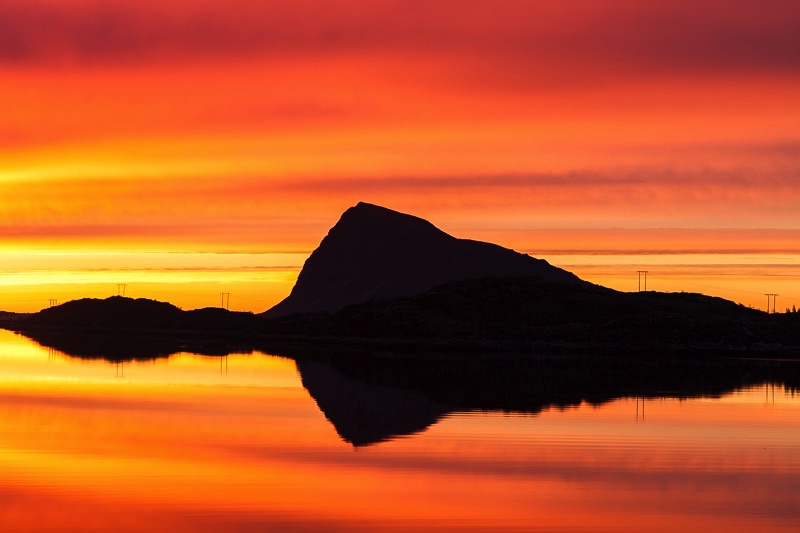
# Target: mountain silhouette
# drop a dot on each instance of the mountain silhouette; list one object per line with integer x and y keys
{"x": 374, "y": 253}
{"x": 528, "y": 314}
{"x": 394, "y": 281}
{"x": 119, "y": 312}
{"x": 120, "y": 328}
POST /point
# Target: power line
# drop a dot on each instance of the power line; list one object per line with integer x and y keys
{"x": 254, "y": 299}
{"x": 198, "y": 295}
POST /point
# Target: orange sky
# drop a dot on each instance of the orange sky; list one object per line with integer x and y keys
{"x": 250, "y": 125}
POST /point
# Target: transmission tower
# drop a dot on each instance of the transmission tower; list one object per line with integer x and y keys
{"x": 642, "y": 276}
{"x": 774, "y": 297}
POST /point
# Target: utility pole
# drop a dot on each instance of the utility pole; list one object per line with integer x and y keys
{"x": 642, "y": 274}
{"x": 226, "y": 300}
{"x": 121, "y": 289}
{"x": 774, "y": 297}
{"x": 53, "y": 302}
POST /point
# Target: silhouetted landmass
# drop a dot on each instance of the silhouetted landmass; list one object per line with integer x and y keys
{"x": 391, "y": 264}
{"x": 531, "y": 314}
{"x": 375, "y": 253}
{"x": 128, "y": 313}
{"x": 412, "y": 349}
{"x": 502, "y": 314}
{"x": 119, "y": 328}
{"x": 7, "y": 317}
{"x": 114, "y": 312}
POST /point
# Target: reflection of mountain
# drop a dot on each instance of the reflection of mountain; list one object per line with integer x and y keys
{"x": 126, "y": 345}
{"x": 365, "y": 413}
{"x": 371, "y": 399}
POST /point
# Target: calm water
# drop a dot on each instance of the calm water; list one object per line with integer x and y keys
{"x": 239, "y": 443}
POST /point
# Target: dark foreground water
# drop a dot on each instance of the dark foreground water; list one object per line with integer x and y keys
{"x": 257, "y": 442}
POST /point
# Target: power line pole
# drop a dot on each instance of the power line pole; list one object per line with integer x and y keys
{"x": 642, "y": 274}
{"x": 53, "y": 302}
{"x": 226, "y": 300}
{"x": 121, "y": 289}
{"x": 774, "y": 297}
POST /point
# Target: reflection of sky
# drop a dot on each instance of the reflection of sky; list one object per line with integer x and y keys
{"x": 23, "y": 360}
{"x": 177, "y": 443}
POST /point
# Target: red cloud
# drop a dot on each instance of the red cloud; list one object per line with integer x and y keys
{"x": 516, "y": 41}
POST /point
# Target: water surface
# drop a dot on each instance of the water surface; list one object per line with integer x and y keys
{"x": 250, "y": 442}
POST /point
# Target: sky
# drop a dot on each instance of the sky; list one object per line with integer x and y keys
{"x": 199, "y": 146}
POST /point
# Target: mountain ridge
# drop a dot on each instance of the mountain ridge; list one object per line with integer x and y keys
{"x": 375, "y": 253}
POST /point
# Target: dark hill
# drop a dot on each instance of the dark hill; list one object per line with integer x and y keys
{"x": 9, "y": 318}
{"x": 375, "y": 253}
{"x": 121, "y": 329}
{"x": 395, "y": 281}
{"x": 119, "y": 312}
{"x": 528, "y": 313}
{"x": 116, "y": 311}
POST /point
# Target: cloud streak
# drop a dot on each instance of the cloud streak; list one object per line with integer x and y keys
{"x": 511, "y": 38}
{"x": 261, "y": 210}
{"x": 201, "y": 119}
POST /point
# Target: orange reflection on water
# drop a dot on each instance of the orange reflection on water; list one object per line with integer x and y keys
{"x": 188, "y": 443}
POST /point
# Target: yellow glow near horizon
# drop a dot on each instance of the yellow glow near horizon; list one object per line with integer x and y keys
{"x": 259, "y": 281}
{"x": 189, "y": 280}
